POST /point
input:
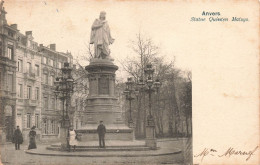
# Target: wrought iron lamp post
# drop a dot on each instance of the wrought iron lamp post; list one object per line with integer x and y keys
{"x": 129, "y": 92}
{"x": 150, "y": 127}
{"x": 157, "y": 85}
{"x": 147, "y": 85}
{"x": 63, "y": 90}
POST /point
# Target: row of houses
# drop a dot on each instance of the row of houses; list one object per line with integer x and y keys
{"x": 27, "y": 74}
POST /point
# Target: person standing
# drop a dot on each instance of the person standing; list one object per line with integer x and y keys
{"x": 101, "y": 134}
{"x": 73, "y": 141}
{"x": 17, "y": 138}
{"x": 32, "y": 142}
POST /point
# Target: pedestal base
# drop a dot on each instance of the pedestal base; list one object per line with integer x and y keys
{"x": 102, "y": 104}
{"x": 112, "y": 133}
{"x": 64, "y": 138}
{"x": 150, "y": 140}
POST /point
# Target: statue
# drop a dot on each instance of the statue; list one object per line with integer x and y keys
{"x": 2, "y": 6}
{"x": 101, "y": 37}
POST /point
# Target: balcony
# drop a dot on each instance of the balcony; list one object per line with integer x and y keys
{"x": 7, "y": 94}
{"x": 30, "y": 76}
{"x": 30, "y": 103}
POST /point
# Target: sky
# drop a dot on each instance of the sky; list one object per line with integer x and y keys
{"x": 68, "y": 24}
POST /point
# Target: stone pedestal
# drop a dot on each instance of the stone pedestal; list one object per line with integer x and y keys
{"x": 150, "y": 140}
{"x": 64, "y": 135}
{"x": 132, "y": 126}
{"x": 102, "y": 103}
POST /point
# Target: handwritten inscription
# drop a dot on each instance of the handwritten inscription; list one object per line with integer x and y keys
{"x": 228, "y": 153}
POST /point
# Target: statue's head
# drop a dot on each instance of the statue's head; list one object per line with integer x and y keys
{"x": 102, "y": 15}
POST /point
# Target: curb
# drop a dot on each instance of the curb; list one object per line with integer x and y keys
{"x": 108, "y": 155}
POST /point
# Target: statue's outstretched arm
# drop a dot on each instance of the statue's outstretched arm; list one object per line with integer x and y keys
{"x": 96, "y": 25}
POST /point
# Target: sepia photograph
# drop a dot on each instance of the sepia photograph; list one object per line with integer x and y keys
{"x": 95, "y": 82}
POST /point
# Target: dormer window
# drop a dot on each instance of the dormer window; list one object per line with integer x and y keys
{"x": 11, "y": 34}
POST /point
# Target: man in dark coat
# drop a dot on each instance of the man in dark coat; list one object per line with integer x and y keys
{"x": 101, "y": 134}
{"x": 17, "y": 138}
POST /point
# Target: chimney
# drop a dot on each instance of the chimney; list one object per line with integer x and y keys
{"x": 53, "y": 47}
{"x": 74, "y": 66}
{"x": 14, "y": 26}
{"x": 28, "y": 33}
{"x": 41, "y": 45}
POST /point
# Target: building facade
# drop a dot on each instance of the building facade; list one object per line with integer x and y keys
{"x": 27, "y": 74}
{"x": 51, "y": 110}
{"x": 8, "y": 37}
{"x": 28, "y": 84}
{"x": 78, "y": 100}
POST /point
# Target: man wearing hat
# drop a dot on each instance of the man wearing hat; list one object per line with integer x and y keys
{"x": 17, "y": 138}
{"x": 101, "y": 134}
{"x": 32, "y": 142}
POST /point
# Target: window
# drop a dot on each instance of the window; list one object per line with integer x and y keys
{"x": 29, "y": 67}
{"x": 19, "y": 120}
{"x": 59, "y": 65}
{"x": 81, "y": 105}
{"x": 37, "y": 70}
{"x": 0, "y": 80}
{"x": 77, "y": 124}
{"x": 10, "y": 82}
{"x": 28, "y": 123}
{"x": 61, "y": 105}
{"x": 45, "y": 103}
{"x": 37, "y": 121}
{"x": 45, "y": 127}
{"x": 76, "y": 102}
{"x": 53, "y": 103}
{"x": 11, "y": 34}
{"x": 37, "y": 93}
{"x": 29, "y": 92}
{"x": 10, "y": 52}
{"x": 45, "y": 78}
{"x": 52, "y": 127}
{"x": 44, "y": 60}
{"x": 1, "y": 48}
{"x": 51, "y": 80}
{"x": 20, "y": 91}
{"x": 20, "y": 65}
{"x": 51, "y": 62}
{"x": 81, "y": 123}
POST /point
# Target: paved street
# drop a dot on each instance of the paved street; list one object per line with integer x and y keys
{"x": 10, "y": 156}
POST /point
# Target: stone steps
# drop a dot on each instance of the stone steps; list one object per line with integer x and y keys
{"x": 116, "y": 146}
{"x": 109, "y": 148}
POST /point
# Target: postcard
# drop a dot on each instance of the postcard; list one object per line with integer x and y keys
{"x": 129, "y": 82}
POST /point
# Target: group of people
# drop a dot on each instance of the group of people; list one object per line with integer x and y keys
{"x": 18, "y": 138}
{"x": 73, "y": 142}
{"x": 101, "y": 130}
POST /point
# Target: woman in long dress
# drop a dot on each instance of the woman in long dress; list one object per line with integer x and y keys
{"x": 32, "y": 142}
{"x": 73, "y": 141}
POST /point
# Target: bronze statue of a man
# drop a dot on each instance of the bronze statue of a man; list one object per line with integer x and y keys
{"x": 101, "y": 37}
